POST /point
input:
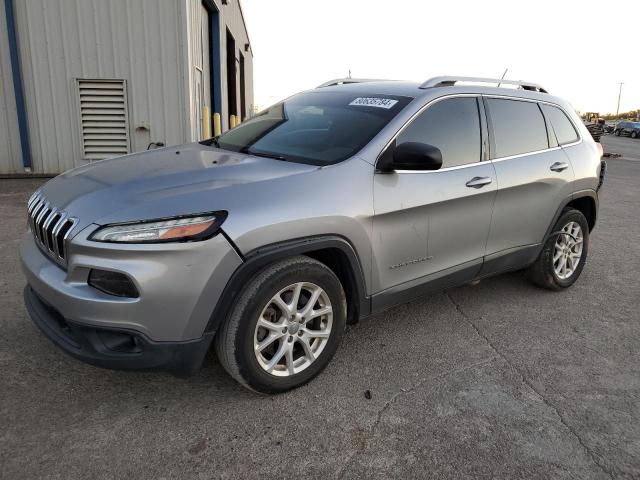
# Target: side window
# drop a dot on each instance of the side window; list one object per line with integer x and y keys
{"x": 562, "y": 126}
{"x": 518, "y": 127}
{"x": 452, "y": 125}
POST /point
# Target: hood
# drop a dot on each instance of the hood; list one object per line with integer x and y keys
{"x": 167, "y": 182}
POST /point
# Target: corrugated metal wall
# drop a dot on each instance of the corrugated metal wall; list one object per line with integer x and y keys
{"x": 10, "y": 152}
{"x": 198, "y": 64}
{"x": 138, "y": 41}
{"x": 231, "y": 18}
{"x": 143, "y": 42}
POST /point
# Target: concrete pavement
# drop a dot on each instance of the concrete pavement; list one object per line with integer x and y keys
{"x": 497, "y": 380}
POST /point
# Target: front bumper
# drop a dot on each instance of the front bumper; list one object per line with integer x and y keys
{"x": 179, "y": 284}
{"x": 115, "y": 349}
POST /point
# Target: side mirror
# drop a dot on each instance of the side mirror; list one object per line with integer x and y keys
{"x": 416, "y": 156}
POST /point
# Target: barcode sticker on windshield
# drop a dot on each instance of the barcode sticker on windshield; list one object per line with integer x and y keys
{"x": 374, "y": 102}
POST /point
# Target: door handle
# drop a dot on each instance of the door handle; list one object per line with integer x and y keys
{"x": 559, "y": 166}
{"x": 478, "y": 182}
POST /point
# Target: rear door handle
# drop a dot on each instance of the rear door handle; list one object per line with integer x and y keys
{"x": 559, "y": 166}
{"x": 478, "y": 182}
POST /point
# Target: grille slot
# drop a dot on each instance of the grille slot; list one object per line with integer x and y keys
{"x": 50, "y": 227}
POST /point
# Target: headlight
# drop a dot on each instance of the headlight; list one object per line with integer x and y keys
{"x": 179, "y": 229}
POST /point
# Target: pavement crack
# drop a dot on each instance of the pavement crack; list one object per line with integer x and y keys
{"x": 394, "y": 398}
{"x": 597, "y": 460}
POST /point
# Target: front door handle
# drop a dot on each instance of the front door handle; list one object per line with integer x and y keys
{"x": 478, "y": 182}
{"x": 559, "y": 166}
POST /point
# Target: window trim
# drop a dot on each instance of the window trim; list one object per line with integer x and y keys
{"x": 484, "y": 132}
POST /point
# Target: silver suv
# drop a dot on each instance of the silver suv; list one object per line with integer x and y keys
{"x": 334, "y": 204}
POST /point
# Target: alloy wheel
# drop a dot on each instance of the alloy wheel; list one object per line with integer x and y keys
{"x": 567, "y": 252}
{"x": 293, "y": 329}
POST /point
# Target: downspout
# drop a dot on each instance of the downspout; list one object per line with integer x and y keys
{"x": 17, "y": 86}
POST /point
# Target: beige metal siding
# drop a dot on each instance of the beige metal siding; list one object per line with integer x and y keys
{"x": 231, "y": 18}
{"x": 10, "y": 151}
{"x": 146, "y": 43}
{"x": 138, "y": 41}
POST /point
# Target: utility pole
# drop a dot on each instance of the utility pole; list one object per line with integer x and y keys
{"x": 619, "y": 95}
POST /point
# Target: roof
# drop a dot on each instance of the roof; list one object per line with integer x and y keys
{"x": 418, "y": 89}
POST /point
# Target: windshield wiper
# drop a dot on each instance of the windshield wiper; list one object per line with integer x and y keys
{"x": 275, "y": 156}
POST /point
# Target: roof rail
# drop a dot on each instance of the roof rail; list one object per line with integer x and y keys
{"x": 344, "y": 81}
{"x": 448, "y": 81}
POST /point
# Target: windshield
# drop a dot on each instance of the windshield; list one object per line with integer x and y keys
{"x": 319, "y": 128}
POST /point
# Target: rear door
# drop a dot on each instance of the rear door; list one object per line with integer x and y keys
{"x": 428, "y": 224}
{"x": 534, "y": 177}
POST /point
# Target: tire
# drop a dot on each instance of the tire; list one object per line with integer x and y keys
{"x": 616, "y": 133}
{"x": 634, "y": 134}
{"x": 238, "y": 339}
{"x": 544, "y": 272}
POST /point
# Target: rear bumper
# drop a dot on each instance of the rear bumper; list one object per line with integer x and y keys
{"x": 115, "y": 349}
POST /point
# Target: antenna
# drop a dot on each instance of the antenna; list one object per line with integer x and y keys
{"x": 502, "y": 77}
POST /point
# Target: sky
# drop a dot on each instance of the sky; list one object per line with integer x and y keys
{"x": 578, "y": 50}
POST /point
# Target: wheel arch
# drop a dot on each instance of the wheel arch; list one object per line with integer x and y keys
{"x": 586, "y": 204}
{"x": 334, "y": 251}
{"x": 586, "y": 201}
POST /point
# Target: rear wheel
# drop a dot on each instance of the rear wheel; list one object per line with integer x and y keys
{"x": 285, "y": 326}
{"x": 564, "y": 254}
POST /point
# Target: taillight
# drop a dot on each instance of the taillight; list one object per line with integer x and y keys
{"x": 600, "y": 149}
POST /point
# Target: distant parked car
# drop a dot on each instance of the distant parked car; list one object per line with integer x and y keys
{"x": 628, "y": 128}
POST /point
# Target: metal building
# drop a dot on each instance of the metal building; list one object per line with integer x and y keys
{"x": 82, "y": 80}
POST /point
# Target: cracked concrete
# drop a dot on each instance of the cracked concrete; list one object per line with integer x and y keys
{"x": 596, "y": 459}
{"x": 500, "y": 380}
{"x": 403, "y": 391}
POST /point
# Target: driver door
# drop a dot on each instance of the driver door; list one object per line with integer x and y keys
{"x": 430, "y": 228}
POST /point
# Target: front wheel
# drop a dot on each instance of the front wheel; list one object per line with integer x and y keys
{"x": 564, "y": 254}
{"x": 634, "y": 134}
{"x": 286, "y": 325}
{"x": 616, "y": 133}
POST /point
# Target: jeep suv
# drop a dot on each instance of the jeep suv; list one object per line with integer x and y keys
{"x": 325, "y": 208}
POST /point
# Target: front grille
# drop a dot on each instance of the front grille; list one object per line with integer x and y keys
{"x": 50, "y": 227}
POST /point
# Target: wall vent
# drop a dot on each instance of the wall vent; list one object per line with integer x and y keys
{"x": 104, "y": 118}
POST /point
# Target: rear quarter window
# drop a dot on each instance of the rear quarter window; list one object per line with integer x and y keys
{"x": 561, "y": 125}
{"x": 518, "y": 127}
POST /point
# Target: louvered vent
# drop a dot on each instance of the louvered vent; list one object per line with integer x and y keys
{"x": 103, "y": 113}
